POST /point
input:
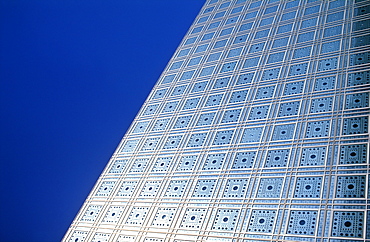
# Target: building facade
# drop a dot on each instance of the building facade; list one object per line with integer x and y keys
{"x": 257, "y": 130}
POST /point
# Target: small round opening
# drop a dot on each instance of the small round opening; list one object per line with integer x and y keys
{"x": 353, "y": 154}
{"x": 235, "y": 188}
{"x": 204, "y": 188}
{"x": 192, "y": 218}
{"x": 269, "y": 187}
{"x": 350, "y": 186}
{"x": 308, "y": 187}
{"x": 302, "y": 222}
{"x": 347, "y": 224}
{"x": 225, "y": 219}
{"x": 261, "y": 221}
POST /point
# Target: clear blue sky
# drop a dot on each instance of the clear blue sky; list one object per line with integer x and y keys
{"x": 73, "y": 75}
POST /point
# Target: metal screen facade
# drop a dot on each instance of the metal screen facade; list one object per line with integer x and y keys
{"x": 257, "y": 130}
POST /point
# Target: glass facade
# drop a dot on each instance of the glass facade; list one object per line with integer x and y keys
{"x": 257, "y": 130}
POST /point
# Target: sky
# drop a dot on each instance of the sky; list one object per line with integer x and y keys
{"x": 73, "y": 75}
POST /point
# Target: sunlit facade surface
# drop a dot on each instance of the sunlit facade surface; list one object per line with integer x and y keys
{"x": 257, "y": 130}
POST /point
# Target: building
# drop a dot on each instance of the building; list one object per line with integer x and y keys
{"x": 257, "y": 130}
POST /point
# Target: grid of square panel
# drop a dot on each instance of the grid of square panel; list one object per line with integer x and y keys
{"x": 257, "y": 130}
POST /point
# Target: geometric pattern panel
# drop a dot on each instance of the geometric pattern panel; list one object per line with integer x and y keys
{"x": 113, "y": 215}
{"x": 176, "y": 188}
{"x": 252, "y": 135}
{"x": 277, "y": 158}
{"x": 289, "y": 109}
{"x": 231, "y": 116}
{"x": 235, "y": 188}
{"x": 321, "y": 105}
{"x": 317, "y": 129}
{"x": 193, "y": 218}
{"x": 302, "y": 222}
{"x": 150, "y": 189}
{"x": 325, "y": 83}
{"x": 283, "y": 132}
{"x": 223, "y": 137}
{"x": 355, "y": 125}
{"x": 205, "y": 119}
{"x": 91, "y": 213}
{"x": 162, "y": 164}
{"x": 353, "y": 154}
{"x": 214, "y": 161}
{"x": 359, "y": 78}
{"x": 105, "y": 188}
{"x": 187, "y": 163}
{"x": 78, "y": 236}
{"x": 204, "y": 188}
{"x": 226, "y": 219}
{"x": 270, "y": 187}
{"x": 164, "y": 217}
{"x": 137, "y": 215}
{"x": 314, "y": 156}
{"x": 293, "y": 88}
{"x": 118, "y": 166}
{"x": 308, "y": 187}
{"x": 244, "y": 160}
{"x": 348, "y": 224}
{"x": 259, "y": 112}
{"x": 127, "y": 188}
{"x": 262, "y": 221}
{"x": 351, "y": 187}
{"x": 358, "y": 100}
